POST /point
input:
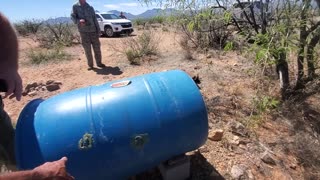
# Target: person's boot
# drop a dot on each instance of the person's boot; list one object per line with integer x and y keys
{"x": 101, "y": 65}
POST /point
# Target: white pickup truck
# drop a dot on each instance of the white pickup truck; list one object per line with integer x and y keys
{"x": 111, "y": 24}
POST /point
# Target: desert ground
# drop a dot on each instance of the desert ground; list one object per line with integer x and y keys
{"x": 266, "y": 151}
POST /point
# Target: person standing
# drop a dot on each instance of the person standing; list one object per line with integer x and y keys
{"x": 85, "y": 17}
{"x": 122, "y": 15}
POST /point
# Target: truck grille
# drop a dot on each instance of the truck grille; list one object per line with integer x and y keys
{"x": 126, "y": 25}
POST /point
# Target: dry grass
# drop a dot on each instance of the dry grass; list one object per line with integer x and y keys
{"x": 139, "y": 49}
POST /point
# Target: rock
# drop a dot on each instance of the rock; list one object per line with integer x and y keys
{"x": 32, "y": 93}
{"x": 196, "y": 79}
{"x": 238, "y": 172}
{"x": 210, "y": 125}
{"x": 244, "y": 141}
{"x": 49, "y": 82}
{"x": 32, "y": 85}
{"x": 235, "y": 140}
{"x": 266, "y": 158}
{"x": 293, "y": 166}
{"x": 209, "y": 56}
{"x": 53, "y": 87}
{"x": 250, "y": 175}
{"x": 58, "y": 82}
{"x": 204, "y": 149}
{"x": 235, "y": 64}
{"x": 244, "y": 147}
{"x": 24, "y": 93}
{"x": 239, "y": 129}
{"x": 216, "y": 135}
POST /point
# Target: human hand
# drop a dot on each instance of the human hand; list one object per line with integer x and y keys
{"x": 99, "y": 34}
{"x": 13, "y": 83}
{"x": 53, "y": 170}
{"x": 82, "y": 22}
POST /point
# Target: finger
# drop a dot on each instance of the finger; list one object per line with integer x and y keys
{"x": 63, "y": 161}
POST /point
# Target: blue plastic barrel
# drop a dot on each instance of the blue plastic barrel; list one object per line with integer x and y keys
{"x": 114, "y": 130}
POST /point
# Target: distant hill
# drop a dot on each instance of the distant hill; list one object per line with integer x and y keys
{"x": 59, "y": 20}
{"x": 147, "y": 14}
{"x": 157, "y": 12}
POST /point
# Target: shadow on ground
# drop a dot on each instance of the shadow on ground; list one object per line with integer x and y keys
{"x": 119, "y": 36}
{"x": 108, "y": 70}
{"x": 305, "y": 120}
{"x": 200, "y": 169}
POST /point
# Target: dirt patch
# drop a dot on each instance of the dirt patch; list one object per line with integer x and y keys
{"x": 228, "y": 90}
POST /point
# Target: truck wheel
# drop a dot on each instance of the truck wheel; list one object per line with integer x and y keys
{"x": 108, "y": 31}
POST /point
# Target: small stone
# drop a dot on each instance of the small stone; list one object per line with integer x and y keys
{"x": 32, "y": 93}
{"x": 49, "y": 82}
{"x": 235, "y": 64}
{"x": 293, "y": 166}
{"x": 235, "y": 140}
{"x": 244, "y": 147}
{"x": 238, "y": 172}
{"x": 79, "y": 59}
{"x": 209, "y": 56}
{"x": 266, "y": 158}
{"x": 53, "y": 87}
{"x": 210, "y": 125}
{"x": 24, "y": 93}
{"x": 239, "y": 129}
{"x": 31, "y": 85}
{"x": 204, "y": 149}
{"x": 58, "y": 82}
{"x": 244, "y": 142}
{"x": 250, "y": 175}
{"x": 216, "y": 135}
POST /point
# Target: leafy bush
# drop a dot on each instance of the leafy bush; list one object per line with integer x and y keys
{"x": 265, "y": 103}
{"x": 140, "y": 22}
{"x": 133, "y": 56}
{"x": 27, "y": 27}
{"x": 153, "y": 20}
{"x": 42, "y": 56}
{"x": 138, "y": 48}
{"x": 207, "y": 30}
{"x": 59, "y": 34}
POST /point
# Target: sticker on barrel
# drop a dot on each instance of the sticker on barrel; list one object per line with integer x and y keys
{"x": 121, "y": 84}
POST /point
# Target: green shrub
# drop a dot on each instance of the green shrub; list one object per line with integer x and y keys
{"x": 59, "y": 34}
{"x": 133, "y": 56}
{"x": 27, "y": 27}
{"x": 137, "y": 48}
{"x": 265, "y": 103}
{"x": 42, "y": 56}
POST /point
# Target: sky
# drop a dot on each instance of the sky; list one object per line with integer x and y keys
{"x": 18, "y": 10}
